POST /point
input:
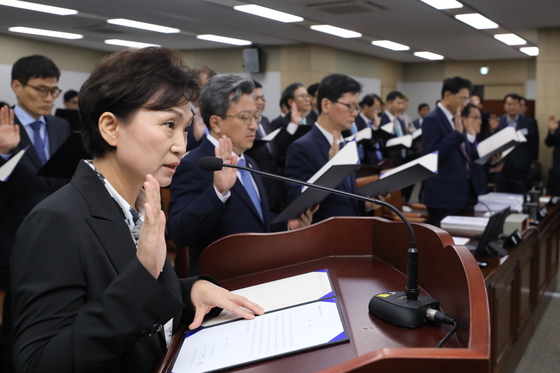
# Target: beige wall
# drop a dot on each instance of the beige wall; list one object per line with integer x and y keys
{"x": 65, "y": 57}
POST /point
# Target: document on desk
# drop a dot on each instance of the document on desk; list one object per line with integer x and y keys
{"x": 314, "y": 323}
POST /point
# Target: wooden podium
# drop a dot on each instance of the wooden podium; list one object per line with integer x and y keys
{"x": 365, "y": 256}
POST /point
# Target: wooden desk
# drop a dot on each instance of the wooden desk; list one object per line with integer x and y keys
{"x": 516, "y": 290}
{"x": 365, "y": 256}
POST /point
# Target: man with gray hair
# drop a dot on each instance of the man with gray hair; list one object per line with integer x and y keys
{"x": 205, "y": 207}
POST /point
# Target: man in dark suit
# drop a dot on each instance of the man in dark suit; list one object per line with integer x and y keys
{"x": 552, "y": 140}
{"x": 452, "y": 189}
{"x": 197, "y": 132}
{"x": 29, "y": 125}
{"x": 205, "y": 206}
{"x": 338, "y": 107}
{"x": 515, "y": 177}
{"x": 423, "y": 110}
{"x": 393, "y": 108}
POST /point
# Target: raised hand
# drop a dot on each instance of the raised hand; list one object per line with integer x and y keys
{"x": 552, "y": 123}
{"x": 9, "y": 131}
{"x": 152, "y": 249}
{"x": 205, "y": 296}
{"x": 296, "y": 116}
{"x": 335, "y": 147}
{"x": 225, "y": 178}
{"x": 458, "y": 120}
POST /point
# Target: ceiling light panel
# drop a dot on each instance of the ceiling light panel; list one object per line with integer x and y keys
{"x": 429, "y": 56}
{"x": 143, "y": 26}
{"x": 48, "y": 33}
{"x": 261, "y": 11}
{"x": 510, "y": 39}
{"x": 530, "y": 51}
{"x": 336, "y": 31}
{"x": 390, "y": 45}
{"x": 38, "y": 7}
{"x": 129, "y": 43}
{"x": 223, "y": 39}
{"x": 476, "y": 20}
{"x": 443, "y": 4}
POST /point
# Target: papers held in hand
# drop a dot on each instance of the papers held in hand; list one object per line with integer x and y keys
{"x": 8, "y": 167}
{"x": 402, "y": 176}
{"x": 330, "y": 175}
{"x": 64, "y": 161}
{"x": 503, "y": 141}
{"x": 383, "y": 132}
{"x": 257, "y": 143}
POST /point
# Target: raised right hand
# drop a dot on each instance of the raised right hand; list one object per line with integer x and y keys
{"x": 9, "y": 131}
{"x": 225, "y": 178}
{"x": 552, "y": 123}
{"x": 296, "y": 116}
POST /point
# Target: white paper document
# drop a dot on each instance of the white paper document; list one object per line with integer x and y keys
{"x": 271, "y": 135}
{"x": 470, "y": 223}
{"x": 273, "y": 334}
{"x": 503, "y": 141}
{"x": 347, "y": 155}
{"x": 405, "y": 141}
{"x": 8, "y": 167}
{"x": 301, "y": 313}
{"x": 278, "y": 294}
{"x": 460, "y": 240}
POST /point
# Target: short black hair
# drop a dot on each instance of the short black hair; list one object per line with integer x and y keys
{"x": 313, "y": 88}
{"x": 257, "y": 84}
{"x": 455, "y": 84}
{"x": 288, "y": 92}
{"x": 68, "y": 95}
{"x": 392, "y": 96}
{"x": 467, "y": 110}
{"x": 124, "y": 82}
{"x": 335, "y": 86}
{"x": 35, "y": 66}
{"x": 514, "y": 96}
{"x": 423, "y": 105}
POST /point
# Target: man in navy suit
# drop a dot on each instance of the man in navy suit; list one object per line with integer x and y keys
{"x": 338, "y": 99}
{"x": 29, "y": 125}
{"x": 206, "y": 206}
{"x": 423, "y": 110}
{"x": 515, "y": 177}
{"x": 452, "y": 190}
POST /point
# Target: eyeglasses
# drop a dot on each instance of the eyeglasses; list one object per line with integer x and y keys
{"x": 305, "y": 96}
{"x": 351, "y": 108}
{"x": 44, "y": 91}
{"x": 247, "y": 117}
{"x": 475, "y": 118}
{"x": 259, "y": 98}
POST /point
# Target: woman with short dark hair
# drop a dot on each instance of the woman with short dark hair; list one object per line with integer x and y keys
{"x": 92, "y": 289}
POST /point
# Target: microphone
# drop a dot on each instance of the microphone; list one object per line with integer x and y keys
{"x": 408, "y": 309}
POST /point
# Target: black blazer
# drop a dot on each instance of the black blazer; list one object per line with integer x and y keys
{"x": 82, "y": 301}
{"x": 24, "y": 189}
{"x": 553, "y": 140}
{"x": 521, "y": 158}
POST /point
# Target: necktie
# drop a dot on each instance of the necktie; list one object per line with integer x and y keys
{"x": 38, "y": 141}
{"x": 398, "y": 129}
{"x": 250, "y": 188}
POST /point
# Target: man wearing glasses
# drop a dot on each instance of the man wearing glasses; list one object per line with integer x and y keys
{"x": 28, "y": 125}
{"x": 206, "y": 206}
{"x": 452, "y": 190}
{"x": 338, "y": 104}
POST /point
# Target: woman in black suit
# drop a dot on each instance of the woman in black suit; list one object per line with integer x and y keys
{"x": 92, "y": 288}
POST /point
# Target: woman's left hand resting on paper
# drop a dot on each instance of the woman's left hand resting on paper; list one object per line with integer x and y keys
{"x": 152, "y": 251}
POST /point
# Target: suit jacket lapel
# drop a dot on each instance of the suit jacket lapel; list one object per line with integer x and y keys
{"x": 107, "y": 220}
{"x": 56, "y": 138}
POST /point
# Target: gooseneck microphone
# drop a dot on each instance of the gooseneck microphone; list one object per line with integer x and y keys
{"x": 407, "y": 309}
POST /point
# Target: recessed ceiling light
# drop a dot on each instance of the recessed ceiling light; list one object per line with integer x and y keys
{"x": 128, "y": 43}
{"x": 223, "y": 39}
{"x": 429, "y": 55}
{"x": 530, "y": 51}
{"x": 49, "y": 33}
{"x": 478, "y": 21}
{"x": 390, "y": 45}
{"x": 38, "y": 7}
{"x": 261, "y": 11}
{"x": 143, "y": 25}
{"x": 336, "y": 31}
{"x": 510, "y": 39}
{"x": 443, "y": 4}
{"x": 484, "y": 70}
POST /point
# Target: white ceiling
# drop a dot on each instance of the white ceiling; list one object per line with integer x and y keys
{"x": 409, "y": 22}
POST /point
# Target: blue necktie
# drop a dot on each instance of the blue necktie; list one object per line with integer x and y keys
{"x": 38, "y": 141}
{"x": 250, "y": 188}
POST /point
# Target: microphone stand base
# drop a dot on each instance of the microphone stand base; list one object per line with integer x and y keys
{"x": 394, "y": 308}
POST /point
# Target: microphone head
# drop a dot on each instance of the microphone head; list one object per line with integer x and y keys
{"x": 210, "y": 163}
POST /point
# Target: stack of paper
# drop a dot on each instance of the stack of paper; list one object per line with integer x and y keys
{"x": 499, "y": 201}
{"x": 467, "y": 223}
